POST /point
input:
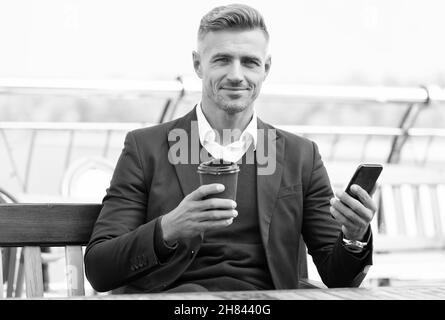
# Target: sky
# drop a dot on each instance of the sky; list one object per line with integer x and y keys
{"x": 346, "y": 42}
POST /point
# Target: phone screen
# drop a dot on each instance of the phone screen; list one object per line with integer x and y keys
{"x": 365, "y": 176}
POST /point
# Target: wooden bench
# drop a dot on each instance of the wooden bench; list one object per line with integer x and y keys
{"x": 32, "y": 226}
{"x": 413, "y": 207}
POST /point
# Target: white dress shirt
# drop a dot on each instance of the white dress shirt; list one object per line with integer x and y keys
{"x": 233, "y": 151}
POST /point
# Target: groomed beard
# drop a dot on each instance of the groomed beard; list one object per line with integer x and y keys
{"x": 228, "y": 107}
{"x": 232, "y": 108}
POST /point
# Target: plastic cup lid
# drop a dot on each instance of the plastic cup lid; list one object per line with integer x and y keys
{"x": 218, "y": 166}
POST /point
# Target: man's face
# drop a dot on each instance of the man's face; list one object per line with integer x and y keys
{"x": 232, "y": 66}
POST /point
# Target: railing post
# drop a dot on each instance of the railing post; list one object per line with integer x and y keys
{"x": 427, "y": 149}
{"x": 165, "y": 110}
{"x": 11, "y": 159}
{"x": 178, "y": 99}
{"x": 107, "y": 144}
{"x": 399, "y": 141}
{"x": 29, "y": 160}
{"x": 408, "y": 120}
{"x": 69, "y": 149}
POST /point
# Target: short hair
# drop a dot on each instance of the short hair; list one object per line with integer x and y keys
{"x": 234, "y": 17}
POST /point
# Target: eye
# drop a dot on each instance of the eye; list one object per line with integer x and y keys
{"x": 252, "y": 63}
{"x": 221, "y": 60}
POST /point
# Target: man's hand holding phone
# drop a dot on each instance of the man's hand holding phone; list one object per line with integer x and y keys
{"x": 354, "y": 215}
{"x": 354, "y": 208}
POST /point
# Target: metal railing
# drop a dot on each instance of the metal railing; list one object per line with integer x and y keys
{"x": 353, "y": 94}
{"x": 414, "y": 99}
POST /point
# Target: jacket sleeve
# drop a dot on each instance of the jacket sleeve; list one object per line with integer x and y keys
{"x": 122, "y": 245}
{"x": 322, "y": 234}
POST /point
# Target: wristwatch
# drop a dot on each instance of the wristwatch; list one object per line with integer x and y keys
{"x": 354, "y": 245}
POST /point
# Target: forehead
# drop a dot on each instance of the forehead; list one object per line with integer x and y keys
{"x": 236, "y": 42}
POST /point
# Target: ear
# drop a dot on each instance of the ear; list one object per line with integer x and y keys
{"x": 267, "y": 65}
{"x": 197, "y": 64}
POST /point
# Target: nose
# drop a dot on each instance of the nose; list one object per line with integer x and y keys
{"x": 235, "y": 73}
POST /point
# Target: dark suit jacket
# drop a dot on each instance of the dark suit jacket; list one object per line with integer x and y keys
{"x": 293, "y": 201}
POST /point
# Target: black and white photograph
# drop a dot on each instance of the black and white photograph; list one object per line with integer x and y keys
{"x": 237, "y": 152}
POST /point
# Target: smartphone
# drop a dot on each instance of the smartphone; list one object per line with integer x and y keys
{"x": 366, "y": 177}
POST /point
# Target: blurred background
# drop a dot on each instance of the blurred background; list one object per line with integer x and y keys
{"x": 362, "y": 78}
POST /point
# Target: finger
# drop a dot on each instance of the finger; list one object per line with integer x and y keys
{"x": 215, "y": 203}
{"x": 205, "y": 190}
{"x": 355, "y": 205}
{"x": 364, "y": 197}
{"x": 350, "y": 215}
{"x": 341, "y": 218}
{"x": 213, "y": 215}
{"x": 214, "y": 224}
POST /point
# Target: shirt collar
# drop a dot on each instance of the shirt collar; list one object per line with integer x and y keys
{"x": 206, "y": 132}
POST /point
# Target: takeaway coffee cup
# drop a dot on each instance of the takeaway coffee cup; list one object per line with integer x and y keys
{"x": 219, "y": 171}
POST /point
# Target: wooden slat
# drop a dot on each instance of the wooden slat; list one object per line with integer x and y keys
{"x": 12, "y": 256}
{"x": 426, "y": 210}
{"x": 389, "y": 218}
{"x": 435, "y": 209}
{"x": 374, "y": 221}
{"x": 407, "y": 203}
{"x": 374, "y": 224}
{"x": 20, "y": 276}
{"x": 47, "y": 224}
{"x": 1, "y": 274}
{"x": 33, "y": 272}
{"x": 441, "y": 204}
{"x": 74, "y": 270}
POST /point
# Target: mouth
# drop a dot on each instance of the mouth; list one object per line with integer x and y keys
{"x": 236, "y": 89}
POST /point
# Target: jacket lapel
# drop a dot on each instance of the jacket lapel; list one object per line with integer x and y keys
{"x": 270, "y": 146}
{"x": 186, "y": 171}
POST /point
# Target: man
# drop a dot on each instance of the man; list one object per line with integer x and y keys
{"x": 156, "y": 232}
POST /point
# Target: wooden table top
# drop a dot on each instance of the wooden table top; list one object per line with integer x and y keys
{"x": 377, "y": 293}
